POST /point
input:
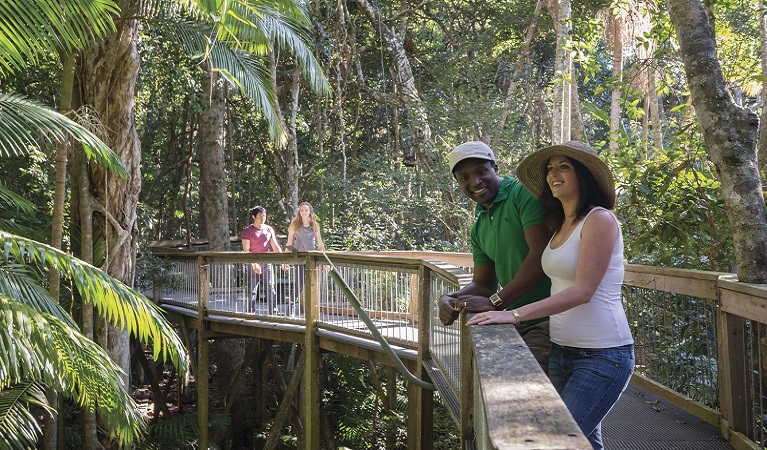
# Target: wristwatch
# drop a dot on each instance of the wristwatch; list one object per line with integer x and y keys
{"x": 496, "y": 301}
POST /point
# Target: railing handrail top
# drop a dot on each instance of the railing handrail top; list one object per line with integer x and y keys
{"x": 674, "y": 272}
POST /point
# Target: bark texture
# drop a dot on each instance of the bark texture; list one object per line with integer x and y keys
{"x": 211, "y": 152}
{"x": 108, "y": 79}
{"x": 730, "y": 133}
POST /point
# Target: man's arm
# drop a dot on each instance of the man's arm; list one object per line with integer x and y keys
{"x": 530, "y": 272}
{"x": 273, "y": 241}
{"x": 473, "y": 296}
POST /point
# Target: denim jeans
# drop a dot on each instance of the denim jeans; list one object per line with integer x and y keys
{"x": 590, "y": 380}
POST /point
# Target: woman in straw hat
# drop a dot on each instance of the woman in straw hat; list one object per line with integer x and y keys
{"x": 592, "y": 354}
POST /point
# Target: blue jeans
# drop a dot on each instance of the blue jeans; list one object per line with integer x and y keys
{"x": 590, "y": 380}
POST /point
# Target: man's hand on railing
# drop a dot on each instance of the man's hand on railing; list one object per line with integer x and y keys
{"x": 447, "y": 310}
{"x": 451, "y": 307}
{"x": 256, "y": 268}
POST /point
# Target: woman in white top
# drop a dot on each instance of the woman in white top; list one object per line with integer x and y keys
{"x": 592, "y": 354}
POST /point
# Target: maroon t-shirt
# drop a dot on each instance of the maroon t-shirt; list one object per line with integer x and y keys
{"x": 259, "y": 238}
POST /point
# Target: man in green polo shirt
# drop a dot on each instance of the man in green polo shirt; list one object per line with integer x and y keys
{"x": 507, "y": 240}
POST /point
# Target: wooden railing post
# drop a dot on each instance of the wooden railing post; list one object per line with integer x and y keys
{"x": 733, "y": 389}
{"x": 467, "y": 386}
{"x": 420, "y": 417}
{"x": 312, "y": 357}
{"x": 202, "y": 349}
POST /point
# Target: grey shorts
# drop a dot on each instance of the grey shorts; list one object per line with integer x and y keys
{"x": 536, "y": 336}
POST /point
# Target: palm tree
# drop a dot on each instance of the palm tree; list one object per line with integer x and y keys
{"x": 40, "y": 344}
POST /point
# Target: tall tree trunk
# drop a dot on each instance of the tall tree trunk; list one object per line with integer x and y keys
{"x": 762, "y": 149}
{"x": 57, "y": 226}
{"x": 211, "y": 153}
{"x": 418, "y": 136}
{"x": 730, "y": 133}
{"x": 289, "y": 163}
{"x": 109, "y": 73}
{"x": 615, "y": 100}
{"x": 655, "y": 116}
{"x": 563, "y": 71}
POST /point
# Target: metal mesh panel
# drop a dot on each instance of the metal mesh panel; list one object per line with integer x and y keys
{"x": 445, "y": 341}
{"x": 675, "y": 340}
{"x": 388, "y": 296}
{"x": 756, "y": 370}
{"x": 183, "y": 289}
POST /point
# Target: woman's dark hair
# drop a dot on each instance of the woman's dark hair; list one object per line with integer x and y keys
{"x": 590, "y": 194}
{"x": 258, "y": 209}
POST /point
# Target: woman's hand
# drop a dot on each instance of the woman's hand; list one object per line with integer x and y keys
{"x": 492, "y": 317}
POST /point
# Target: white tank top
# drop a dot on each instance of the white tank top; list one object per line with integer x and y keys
{"x": 600, "y": 323}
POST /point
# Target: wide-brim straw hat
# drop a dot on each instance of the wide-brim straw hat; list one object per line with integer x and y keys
{"x": 532, "y": 170}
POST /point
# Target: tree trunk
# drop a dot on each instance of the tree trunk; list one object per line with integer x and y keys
{"x": 109, "y": 72}
{"x": 563, "y": 72}
{"x": 615, "y": 100}
{"x": 762, "y": 148}
{"x": 57, "y": 226}
{"x": 730, "y": 133}
{"x": 655, "y": 116}
{"x": 288, "y": 161}
{"x": 211, "y": 153}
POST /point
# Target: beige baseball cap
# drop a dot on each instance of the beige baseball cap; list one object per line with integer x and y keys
{"x": 471, "y": 149}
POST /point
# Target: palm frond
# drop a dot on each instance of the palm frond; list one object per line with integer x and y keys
{"x": 11, "y": 200}
{"x": 30, "y": 28}
{"x": 19, "y": 429}
{"x": 251, "y": 75}
{"x": 119, "y": 304}
{"x": 254, "y": 25}
{"x": 20, "y": 284}
{"x": 23, "y": 121}
{"x": 35, "y": 346}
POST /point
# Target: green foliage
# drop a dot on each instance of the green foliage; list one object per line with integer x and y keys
{"x": 182, "y": 432}
{"x": 40, "y": 343}
{"x": 671, "y": 208}
{"x": 351, "y": 402}
{"x": 35, "y": 27}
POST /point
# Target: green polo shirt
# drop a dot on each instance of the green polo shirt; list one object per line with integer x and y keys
{"x": 498, "y": 236}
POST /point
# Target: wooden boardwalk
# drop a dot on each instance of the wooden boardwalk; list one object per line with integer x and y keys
{"x": 643, "y": 421}
{"x": 639, "y": 421}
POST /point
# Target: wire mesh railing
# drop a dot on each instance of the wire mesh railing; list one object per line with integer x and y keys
{"x": 388, "y": 295}
{"x": 445, "y": 341}
{"x": 677, "y": 317}
{"x": 675, "y": 338}
{"x": 756, "y": 379}
{"x": 181, "y": 287}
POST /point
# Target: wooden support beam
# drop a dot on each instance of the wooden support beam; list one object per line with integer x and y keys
{"x": 203, "y": 351}
{"x": 282, "y": 410}
{"x": 420, "y": 405}
{"x": 312, "y": 357}
{"x": 467, "y": 386}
